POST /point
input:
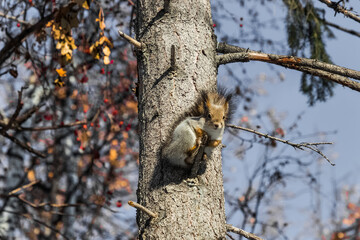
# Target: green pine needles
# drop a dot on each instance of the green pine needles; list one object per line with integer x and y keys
{"x": 306, "y": 33}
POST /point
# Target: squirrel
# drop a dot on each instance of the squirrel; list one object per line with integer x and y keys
{"x": 204, "y": 122}
{"x": 185, "y": 142}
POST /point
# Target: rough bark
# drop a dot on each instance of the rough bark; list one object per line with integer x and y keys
{"x": 186, "y": 209}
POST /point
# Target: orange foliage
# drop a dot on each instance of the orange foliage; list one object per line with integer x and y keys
{"x": 354, "y": 214}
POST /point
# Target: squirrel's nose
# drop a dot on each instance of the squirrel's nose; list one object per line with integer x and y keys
{"x": 216, "y": 125}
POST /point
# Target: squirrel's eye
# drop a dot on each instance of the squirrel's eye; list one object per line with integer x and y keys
{"x": 224, "y": 117}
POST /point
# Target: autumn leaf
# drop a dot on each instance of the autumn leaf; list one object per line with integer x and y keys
{"x": 84, "y": 138}
{"x": 122, "y": 147}
{"x": 98, "y": 199}
{"x": 31, "y": 175}
{"x": 348, "y": 221}
{"x": 101, "y": 20}
{"x": 50, "y": 23}
{"x": 125, "y": 135}
{"x": 104, "y": 39}
{"x": 114, "y": 142}
{"x": 61, "y": 72}
{"x": 113, "y": 156}
{"x": 95, "y": 51}
{"x": 83, "y": 3}
{"x": 119, "y": 184}
{"x": 59, "y": 83}
{"x": 122, "y": 163}
{"x": 351, "y": 206}
{"x": 106, "y": 60}
{"x": 106, "y": 51}
{"x": 340, "y": 235}
{"x": 50, "y": 175}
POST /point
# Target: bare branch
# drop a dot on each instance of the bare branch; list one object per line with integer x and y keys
{"x": 301, "y": 146}
{"x": 311, "y": 66}
{"x": 288, "y": 60}
{"x": 227, "y": 48}
{"x": 41, "y": 205}
{"x": 28, "y": 216}
{"x": 350, "y": 31}
{"x": 142, "y": 208}
{"x": 14, "y": 18}
{"x": 17, "y": 111}
{"x": 337, "y": 8}
{"x": 251, "y": 236}
{"x": 25, "y": 116}
{"x": 132, "y": 41}
{"x": 52, "y": 127}
{"x": 23, "y": 145}
{"x": 346, "y": 82}
{"x": 229, "y": 236}
{"x": 23, "y": 187}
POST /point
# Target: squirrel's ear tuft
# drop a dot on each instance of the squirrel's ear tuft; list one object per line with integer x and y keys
{"x": 228, "y": 97}
{"x": 204, "y": 96}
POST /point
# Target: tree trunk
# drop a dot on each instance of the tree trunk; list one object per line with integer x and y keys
{"x": 186, "y": 211}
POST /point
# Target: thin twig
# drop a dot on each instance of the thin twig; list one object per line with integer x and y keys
{"x": 251, "y": 236}
{"x": 17, "y": 110}
{"x": 28, "y": 113}
{"x": 142, "y": 208}
{"x": 23, "y": 187}
{"x": 350, "y": 31}
{"x": 46, "y": 225}
{"x": 300, "y": 146}
{"x": 28, "y": 216}
{"x": 53, "y": 127}
{"x": 230, "y": 236}
{"x": 41, "y": 205}
{"x": 337, "y": 8}
{"x": 14, "y": 18}
{"x": 344, "y": 81}
{"x": 23, "y": 145}
{"x": 132, "y": 41}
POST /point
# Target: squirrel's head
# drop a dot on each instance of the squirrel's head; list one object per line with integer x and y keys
{"x": 216, "y": 107}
